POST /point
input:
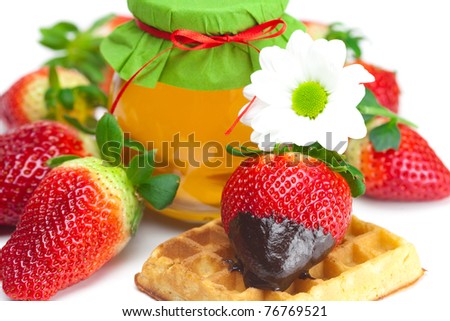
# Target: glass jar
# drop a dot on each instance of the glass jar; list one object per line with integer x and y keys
{"x": 183, "y": 102}
{"x": 190, "y": 140}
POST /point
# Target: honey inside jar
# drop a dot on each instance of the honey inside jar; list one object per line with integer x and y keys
{"x": 190, "y": 139}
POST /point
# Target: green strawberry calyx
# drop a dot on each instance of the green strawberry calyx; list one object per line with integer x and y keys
{"x": 383, "y": 135}
{"x": 61, "y": 102}
{"x": 332, "y": 159}
{"x": 159, "y": 191}
{"x": 350, "y": 37}
{"x": 75, "y": 48}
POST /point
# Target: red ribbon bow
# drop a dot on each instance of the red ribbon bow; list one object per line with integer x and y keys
{"x": 192, "y": 40}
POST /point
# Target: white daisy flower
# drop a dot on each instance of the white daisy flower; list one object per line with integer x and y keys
{"x": 305, "y": 94}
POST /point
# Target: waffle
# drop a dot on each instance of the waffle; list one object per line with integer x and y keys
{"x": 369, "y": 264}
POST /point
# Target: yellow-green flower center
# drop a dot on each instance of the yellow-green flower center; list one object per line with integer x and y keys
{"x": 309, "y": 99}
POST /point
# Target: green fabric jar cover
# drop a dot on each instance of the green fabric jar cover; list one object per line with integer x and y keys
{"x": 228, "y": 66}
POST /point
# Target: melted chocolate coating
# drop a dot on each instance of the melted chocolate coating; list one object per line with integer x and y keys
{"x": 273, "y": 254}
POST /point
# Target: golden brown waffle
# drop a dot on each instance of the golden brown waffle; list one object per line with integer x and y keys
{"x": 370, "y": 263}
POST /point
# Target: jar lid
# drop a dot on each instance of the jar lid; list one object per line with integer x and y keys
{"x": 206, "y": 16}
{"x": 228, "y": 66}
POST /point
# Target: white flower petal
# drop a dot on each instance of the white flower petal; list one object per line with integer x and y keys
{"x": 271, "y": 119}
{"x": 319, "y": 68}
{"x": 299, "y": 44}
{"x": 284, "y": 70}
{"x": 254, "y": 109}
{"x": 265, "y": 141}
{"x": 348, "y": 97}
{"x": 274, "y": 59}
{"x": 357, "y": 128}
{"x": 257, "y": 137}
{"x": 303, "y": 132}
{"x": 357, "y": 73}
{"x": 268, "y": 89}
{"x": 336, "y": 53}
{"x": 282, "y": 66}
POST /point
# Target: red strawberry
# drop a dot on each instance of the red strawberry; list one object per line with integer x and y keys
{"x": 23, "y": 156}
{"x": 317, "y": 30}
{"x": 283, "y": 214}
{"x": 412, "y": 173}
{"x": 105, "y": 27}
{"x": 79, "y": 217}
{"x": 385, "y": 87}
{"x": 24, "y": 102}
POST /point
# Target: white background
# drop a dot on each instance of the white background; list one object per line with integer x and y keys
{"x": 412, "y": 39}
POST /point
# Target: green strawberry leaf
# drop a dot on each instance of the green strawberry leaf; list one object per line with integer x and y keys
{"x": 51, "y": 98}
{"x": 386, "y": 136}
{"x": 75, "y": 49}
{"x": 92, "y": 94}
{"x": 335, "y": 161}
{"x": 369, "y": 100}
{"x": 91, "y": 71}
{"x": 369, "y": 107}
{"x": 65, "y": 27}
{"x": 110, "y": 139}
{"x": 53, "y": 79}
{"x": 355, "y": 182}
{"x": 141, "y": 167}
{"x": 91, "y": 122}
{"x": 76, "y": 124}
{"x": 332, "y": 159}
{"x": 58, "y": 61}
{"x": 58, "y": 36}
{"x": 57, "y": 161}
{"x": 91, "y": 57}
{"x": 134, "y": 144}
{"x": 67, "y": 98}
{"x": 242, "y": 151}
{"x": 160, "y": 190}
{"x": 349, "y": 36}
{"x": 53, "y": 39}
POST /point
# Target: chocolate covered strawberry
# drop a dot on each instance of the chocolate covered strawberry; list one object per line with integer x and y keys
{"x": 80, "y": 216}
{"x": 23, "y": 156}
{"x": 283, "y": 214}
{"x": 410, "y": 172}
{"x": 286, "y": 210}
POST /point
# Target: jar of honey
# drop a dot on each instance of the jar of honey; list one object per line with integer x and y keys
{"x": 186, "y": 98}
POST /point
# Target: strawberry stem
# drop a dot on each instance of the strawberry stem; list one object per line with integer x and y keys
{"x": 384, "y": 112}
{"x": 332, "y": 159}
